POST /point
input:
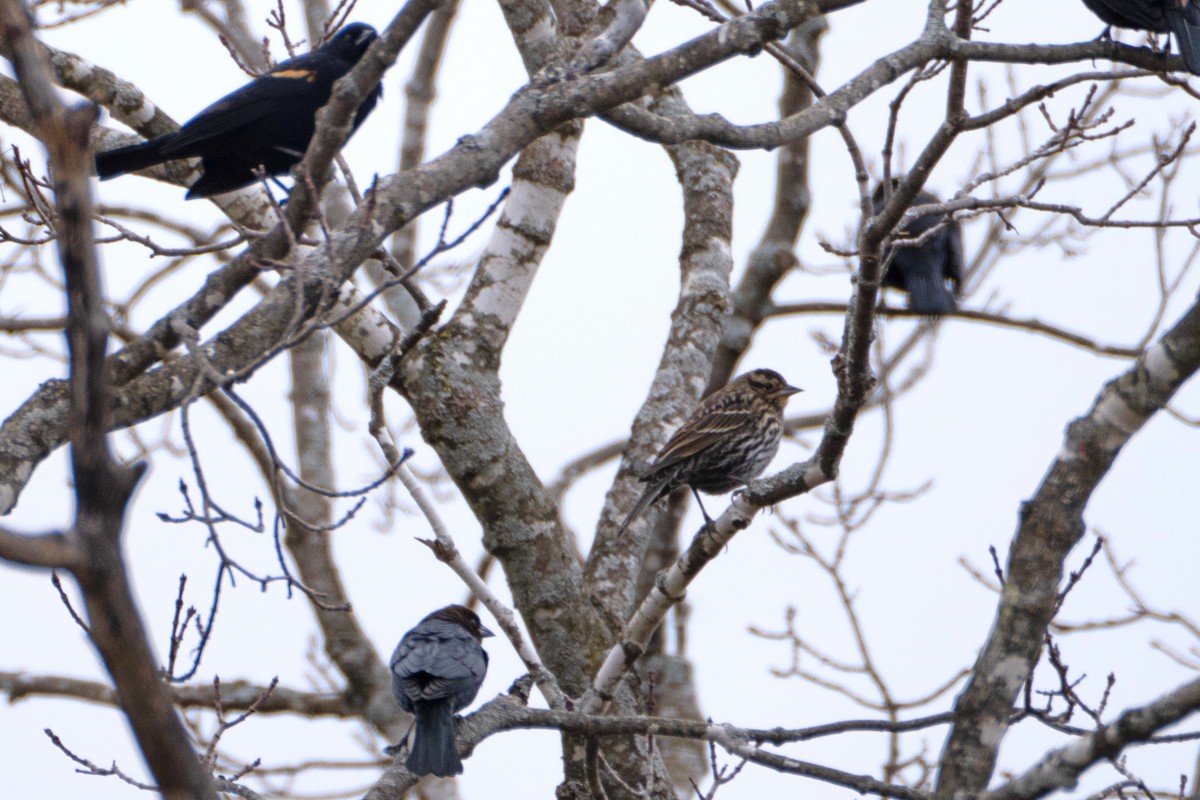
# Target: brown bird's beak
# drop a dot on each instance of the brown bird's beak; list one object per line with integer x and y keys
{"x": 788, "y": 391}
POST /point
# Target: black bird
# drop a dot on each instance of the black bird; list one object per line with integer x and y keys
{"x": 267, "y": 124}
{"x": 1178, "y": 17}
{"x": 923, "y": 271}
{"x": 728, "y": 441}
{"x": 437, "y": 669}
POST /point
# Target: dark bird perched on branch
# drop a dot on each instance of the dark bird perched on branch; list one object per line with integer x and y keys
{"x": 726, "y": 442}
{"x": 265, "y": 125}
{"x": 924, "y": 270}
{"x": 437, "y": 670}
{"x": 1178, "y": 17}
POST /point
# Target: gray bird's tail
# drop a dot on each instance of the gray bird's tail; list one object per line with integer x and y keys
{"x": 433, "y": 749}
{"x": 1185, "y": 27}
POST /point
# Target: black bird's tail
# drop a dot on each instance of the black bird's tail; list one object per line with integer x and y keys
{"x": 928, "y": 295}
{"x": 130, "y": 159}
{"x": 1185, "y": 27}
{"x": 433, "y": 749}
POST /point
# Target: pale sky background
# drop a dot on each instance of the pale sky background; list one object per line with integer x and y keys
{"x": 983, "y": 426}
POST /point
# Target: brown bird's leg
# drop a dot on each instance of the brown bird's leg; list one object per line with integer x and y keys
{"x": 707, "y": 519}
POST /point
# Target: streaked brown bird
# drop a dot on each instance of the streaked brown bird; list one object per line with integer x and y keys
{"x": 726, "y": 442}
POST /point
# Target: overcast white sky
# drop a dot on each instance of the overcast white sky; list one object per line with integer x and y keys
{"x": 983, "y": 426}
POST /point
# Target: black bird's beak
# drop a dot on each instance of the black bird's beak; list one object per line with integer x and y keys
{"x": 484, "y": 632}
{"x": 788, "y": 391}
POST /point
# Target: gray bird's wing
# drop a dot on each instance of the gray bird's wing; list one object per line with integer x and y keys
{"x": 436, "y": 661}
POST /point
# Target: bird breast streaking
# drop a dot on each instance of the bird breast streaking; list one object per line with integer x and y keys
{"x": 437, "y": 670}
{"x": 727, "y": 441}
{"x": 1181, "y": 18}
{"x": 265, "y": 126}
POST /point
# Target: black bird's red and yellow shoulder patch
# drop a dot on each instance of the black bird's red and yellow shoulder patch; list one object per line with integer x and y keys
{"x": 261, "y": 129}
{"x": 308, "y": 75}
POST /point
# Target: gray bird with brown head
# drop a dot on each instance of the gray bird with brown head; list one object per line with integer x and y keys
{"x": 437, "y": 670}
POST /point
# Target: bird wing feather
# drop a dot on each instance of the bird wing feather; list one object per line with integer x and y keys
{"x": 436, "y": 666}
{"x": 285, "y": 90}
{"x": 241, "y": 108}
{"x": 702, "y": 433}
{"x": 1144, "y": 15}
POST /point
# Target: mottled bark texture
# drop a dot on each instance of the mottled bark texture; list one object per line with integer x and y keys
{"x": 774, "y": 255}
{"x": 475, "y": 160}
{"x": 452, "y": 384}
{"x": 576, "y": 614}
{"x": 1061, "y": 768}
{"x": 1050, "y": 525}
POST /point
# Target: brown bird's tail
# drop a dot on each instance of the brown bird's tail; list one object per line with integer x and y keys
{"x": 653, "y": 492}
